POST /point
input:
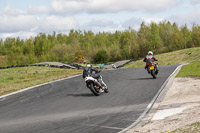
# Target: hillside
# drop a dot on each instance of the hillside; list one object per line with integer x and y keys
{"x": 177, "y": 57}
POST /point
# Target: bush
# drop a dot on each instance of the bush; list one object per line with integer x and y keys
{"x": 101, "y": 57}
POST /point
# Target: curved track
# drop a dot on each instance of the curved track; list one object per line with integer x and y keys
{"x": 68, "y": 106}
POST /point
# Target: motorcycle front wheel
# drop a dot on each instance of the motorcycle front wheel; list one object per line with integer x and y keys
{"x": 106, "y": 90}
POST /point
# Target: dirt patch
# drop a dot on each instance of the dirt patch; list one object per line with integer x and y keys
{"x": 179, "y": 107}
{"x": 183, "y": 90}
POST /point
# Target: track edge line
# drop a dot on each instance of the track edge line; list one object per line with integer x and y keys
{"x": 152, "y": 102}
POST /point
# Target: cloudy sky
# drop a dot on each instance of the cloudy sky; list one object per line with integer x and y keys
{"x": 25, "y": 18}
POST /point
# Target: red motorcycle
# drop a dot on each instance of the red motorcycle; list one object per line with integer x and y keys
{"x": 152, "y": 68}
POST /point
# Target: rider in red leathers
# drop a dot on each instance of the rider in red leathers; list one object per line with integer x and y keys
{"x": 150, "y": 58}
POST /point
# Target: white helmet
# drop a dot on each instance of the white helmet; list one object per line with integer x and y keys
{"x": 89, "y": 65}
{"x": 150, "y": 53}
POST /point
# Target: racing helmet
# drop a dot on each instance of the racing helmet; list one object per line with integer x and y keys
{"x": 89, "y": 65}
{"x": 150, "y": 53}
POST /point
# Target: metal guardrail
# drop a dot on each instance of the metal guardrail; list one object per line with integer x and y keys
{"x": 40, "y": 65}
{"x": 67, "y": 66}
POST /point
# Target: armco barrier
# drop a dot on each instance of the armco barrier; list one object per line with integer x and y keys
{"x": 131, "y": 60}
{"x": 73, "y": 66}
{"x": 41, "y": 65}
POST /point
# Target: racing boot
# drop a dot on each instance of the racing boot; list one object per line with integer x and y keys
{"x": 157, "y": 70}
{"x": 103, "y": 85}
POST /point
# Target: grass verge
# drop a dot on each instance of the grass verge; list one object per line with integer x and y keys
{"x": 190, "y": 70}
{"x": 176, "y": 57}
{"x": 18, "y": 78}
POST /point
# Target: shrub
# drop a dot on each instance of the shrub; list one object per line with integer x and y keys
{"x": 101, "y": 57}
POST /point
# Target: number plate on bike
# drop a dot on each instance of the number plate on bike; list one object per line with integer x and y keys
{"x": 151, "y": 67}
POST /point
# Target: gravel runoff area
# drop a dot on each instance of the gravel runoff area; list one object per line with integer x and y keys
{"x": 177, "y": 106}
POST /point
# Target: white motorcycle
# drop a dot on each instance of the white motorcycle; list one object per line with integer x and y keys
{"x": 95, "y": 87}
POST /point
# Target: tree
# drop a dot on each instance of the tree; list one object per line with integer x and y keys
{"x": 186, "y": 35}
{"x": 52, "y": 57}
{"x": 41, "y": 45}
{"x": 101, "y": 57}
{"x": 28, "y": 47}
{"x": 196, "y": 35}
{"x": 165, "y": 31}
{"x": 143, "y": 36}
{"x": 99, "y": 47}
{"x": 154, "y": 43}
{"x": 2, "y": 49}
{"x": 59, "y": 51}
{"x": 176, "y": 41}
{"x": 128, "y": 44}
{"x": 114, "y": 53}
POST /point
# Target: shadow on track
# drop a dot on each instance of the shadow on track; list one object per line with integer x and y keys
{"x": 149, "y": 78}
{"x": 81, "y": 95}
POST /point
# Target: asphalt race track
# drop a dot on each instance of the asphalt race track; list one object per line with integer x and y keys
{"x": 67, "y": 106}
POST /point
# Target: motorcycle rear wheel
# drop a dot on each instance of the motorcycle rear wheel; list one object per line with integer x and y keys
{"x": 153, "y": 73}
{"x": 94, "y": 90}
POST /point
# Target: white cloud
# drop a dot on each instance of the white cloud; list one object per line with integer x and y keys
{"x": 111, "y": 29}
{"x": 32, "y": 23}
{"x": 136, "y": 22}
{"x": 55, "y": 23}
{"x": 21, "y": 34}
{"x": 81, "y": 14}
{"x": 9, "y": 23}
{"x": 99, "y": 23}
{"x": 195, "y": 1}
{"x": 38, "y": 9}
{"x": 14, "y": 20}
{"x": 150, "y": 20}
{"x": 133, "y": 22}
{"x": 12, "y": 11}
{"x": 189, "y": 18}
{"x": 19, "y": 22}
{"x": 102, "y": 6}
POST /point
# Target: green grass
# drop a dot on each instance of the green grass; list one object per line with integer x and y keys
{"x": 190, "y": 70}
{"x": 176, "y": 57}
{"x": 14, "y": 79}
{"x": 193, "y": 128}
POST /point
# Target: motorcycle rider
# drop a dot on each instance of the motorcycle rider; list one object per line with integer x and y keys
{"x": 90, "y": 71}
{"x": 150, "y": 58}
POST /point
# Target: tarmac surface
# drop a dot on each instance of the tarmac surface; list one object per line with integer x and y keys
{"x": 68, "y": 106}
{"x": 178, "y": 106}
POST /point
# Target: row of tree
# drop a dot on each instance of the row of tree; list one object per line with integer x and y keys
{"x": 100, "y": 47}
